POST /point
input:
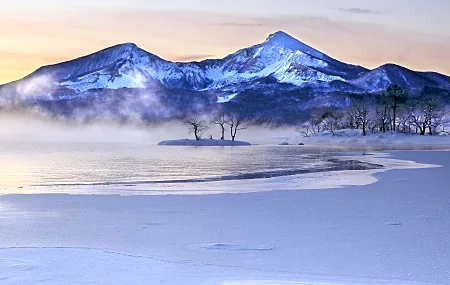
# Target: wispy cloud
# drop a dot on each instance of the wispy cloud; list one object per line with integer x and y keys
{"x": 31, "y": 42}
{"x": 240, "y": 24}
{"x": 362, "y": 11}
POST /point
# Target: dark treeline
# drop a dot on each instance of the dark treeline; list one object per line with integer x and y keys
{"x": 393, "y": 110}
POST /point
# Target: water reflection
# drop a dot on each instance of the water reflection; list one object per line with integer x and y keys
{"x": 99, "y": 164}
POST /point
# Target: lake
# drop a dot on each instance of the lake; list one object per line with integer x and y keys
{"x": 57, "y": 164}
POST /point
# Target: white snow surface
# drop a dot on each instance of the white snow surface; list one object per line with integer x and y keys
{"x": 227, "y": 98}
{"x": 388, "y": 140}
{"x": 394, "y": 231}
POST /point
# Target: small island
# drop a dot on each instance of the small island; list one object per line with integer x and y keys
{"x": 198, "y": 125}
{"x": 203, "y": 142}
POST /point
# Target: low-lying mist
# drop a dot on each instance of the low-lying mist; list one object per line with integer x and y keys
{"x": 31, "y": 127}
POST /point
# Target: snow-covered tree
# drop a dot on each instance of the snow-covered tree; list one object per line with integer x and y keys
{"x": 427, "y": 114}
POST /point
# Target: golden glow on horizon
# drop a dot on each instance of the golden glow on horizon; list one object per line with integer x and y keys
{"x": 29, "y": 40}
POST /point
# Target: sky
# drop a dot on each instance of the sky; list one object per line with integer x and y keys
{"x": 412, "y": 33}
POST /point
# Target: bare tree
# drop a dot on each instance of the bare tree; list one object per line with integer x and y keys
{"x": 236, "y": 123}
{"x": 360, "y": 112}
{"x": 332, "y": 121}
{"x": 427, "y": 114}
{"x": 352, "y": 121}
{"x": 383, "y": 111}
{"x": 405, "y": 122}
{"x": 396, "y": 96}
{"x": 306, "y": 129}
{"x": 196, "y": 126}
{"x": 220, "y": 119}
{"x": 446, "y": 123}
{"x": 316, "y": 119}
{"x": 310, "y": 127}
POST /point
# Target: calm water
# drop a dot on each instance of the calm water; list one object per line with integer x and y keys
{"x": 24, "y": 165}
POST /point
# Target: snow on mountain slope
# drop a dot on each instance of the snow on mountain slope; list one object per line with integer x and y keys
{"x": 311, "y": 57}
{"x": 127, "y": 66}
{"x": 287, "y": 66}
{"x": 384, "y": 76}
{"x": 121, "y": 66}
{"x": 440, "y": 79}
{"x": 280, "y": 57}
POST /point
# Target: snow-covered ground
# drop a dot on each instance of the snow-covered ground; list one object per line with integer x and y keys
{"x": 392, "y": 231}
{"x": 203, "y": 142}
{"x": 389, "y": 140}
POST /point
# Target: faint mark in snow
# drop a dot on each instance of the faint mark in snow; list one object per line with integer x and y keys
{"x": 393, "y": 223}
{"x": 278, "y": 282}
{"x": 237, "y": 247}
{"x": 152, "y": 224}
{"x": 360, "y": 281}
{"x": 17, "y": 264}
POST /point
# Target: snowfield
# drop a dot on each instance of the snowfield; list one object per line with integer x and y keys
{"x": 393, "y": 230}
{"x": 388, "y": 140}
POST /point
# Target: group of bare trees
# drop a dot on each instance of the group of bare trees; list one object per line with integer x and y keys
{"x": 198, "y": 126}
{"x": 392, "y": 110}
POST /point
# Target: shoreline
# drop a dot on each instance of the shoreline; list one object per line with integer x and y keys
{"x": 304, "y": 181}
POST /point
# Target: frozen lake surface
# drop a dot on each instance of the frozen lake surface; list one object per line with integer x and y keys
{"x": 393, "y": 231}
{"x": 27, "y": 167}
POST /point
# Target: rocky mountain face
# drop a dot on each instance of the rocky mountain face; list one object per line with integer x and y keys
{"x": 277, "y": 80}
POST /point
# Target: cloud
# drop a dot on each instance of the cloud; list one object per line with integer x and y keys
{"x": 361, "y": 11}
{"x": 188, "y": 35}
{"x": 240, "y": 24}
{"x": 192, "y": 57}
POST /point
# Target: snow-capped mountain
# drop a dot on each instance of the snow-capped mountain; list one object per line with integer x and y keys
{"x": 280, "y": 56}
{"x": 121, "y": 66}
{"x": 128, "y": 66}
{"x": 280, "y": 65}
{"x": 384, "y": 76}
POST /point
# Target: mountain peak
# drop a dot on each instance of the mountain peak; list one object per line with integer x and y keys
{"x": 124, "y": 47}
{"x": 285, "y": 40}
{"x": 128, "y": 45}
{"x": 280, "y": 36}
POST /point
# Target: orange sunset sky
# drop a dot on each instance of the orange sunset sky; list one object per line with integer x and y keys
{"x": 413, "y": 33}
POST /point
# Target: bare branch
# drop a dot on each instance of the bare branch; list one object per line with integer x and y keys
{"x": 196, "y": 126}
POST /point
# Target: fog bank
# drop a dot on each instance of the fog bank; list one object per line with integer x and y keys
{"x": 37, "y": 128}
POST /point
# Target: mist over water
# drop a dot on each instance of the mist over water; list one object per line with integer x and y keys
{"x": 29, "y": 127}
{"x": 38, "y": 151}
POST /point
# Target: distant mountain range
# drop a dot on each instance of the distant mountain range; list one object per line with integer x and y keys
{"x": 277, "y": 80}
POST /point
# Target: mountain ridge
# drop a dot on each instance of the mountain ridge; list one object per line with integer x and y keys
{"x": 300, "y": 65}
{"x": 280, "y": 66}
